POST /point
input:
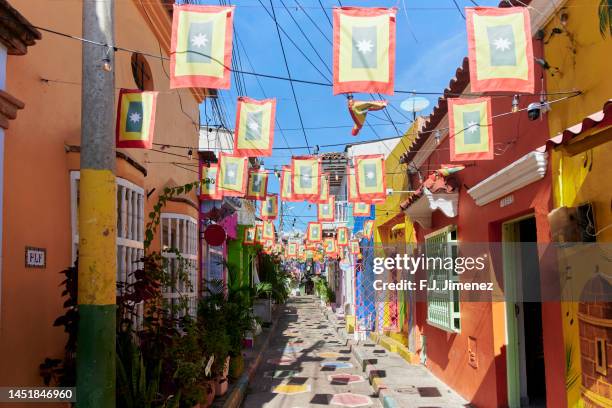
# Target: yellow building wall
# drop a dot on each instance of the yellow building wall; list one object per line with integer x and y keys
{"x": 581, "y": 55}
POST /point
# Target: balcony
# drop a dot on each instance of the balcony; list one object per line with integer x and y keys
{"x": 341, "y": 216}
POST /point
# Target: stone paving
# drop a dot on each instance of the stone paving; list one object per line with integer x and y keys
{"x": 308, "y": 365}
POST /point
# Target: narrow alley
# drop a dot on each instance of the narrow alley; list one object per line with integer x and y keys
{"x": 308, "y": 365}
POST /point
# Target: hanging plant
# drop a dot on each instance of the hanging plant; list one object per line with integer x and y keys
{"x": 605, "y": 18}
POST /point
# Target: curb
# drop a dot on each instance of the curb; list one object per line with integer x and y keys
{"x": 236, "y": 396}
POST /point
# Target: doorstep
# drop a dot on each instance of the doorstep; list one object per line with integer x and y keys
{"x": 395, "y": 346}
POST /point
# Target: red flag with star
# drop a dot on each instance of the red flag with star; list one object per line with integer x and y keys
{"x": 306, "y": 177}
{"x": 254, "y": 134}
{"x": 135, "y": 119}
{"x": 314, "y": 232}
{"x": 370, "y": 176}
{"x": 209, "y": 180}
{"x": 257, "y": 187}
{"x": 470, "y": 129}
{"x": 500, "y": 49}
{"x": 201, "y": 46}
{"x": 232, "y": 178}
{"x": 326, "y": 211}
{"x": 364, "y": 50}
{"x": 269, "y": 208}
{"x": 359, "y": 110}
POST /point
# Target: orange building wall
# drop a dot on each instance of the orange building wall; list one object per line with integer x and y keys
{"x": 37, "y": 184}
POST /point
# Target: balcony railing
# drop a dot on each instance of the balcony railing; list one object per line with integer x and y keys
{"x": 341, "y": 215}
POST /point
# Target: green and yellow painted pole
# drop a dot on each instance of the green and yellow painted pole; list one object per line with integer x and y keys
{"x": 97, "y": 213}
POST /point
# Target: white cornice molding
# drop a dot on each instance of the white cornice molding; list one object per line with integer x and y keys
{"x": 526, "y": 170}
{"x": 420, "y": 211}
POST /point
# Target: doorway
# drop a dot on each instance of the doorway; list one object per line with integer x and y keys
{"x": 525, "y": 348}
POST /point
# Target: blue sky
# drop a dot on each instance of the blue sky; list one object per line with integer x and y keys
{"x": 425, "y": 63}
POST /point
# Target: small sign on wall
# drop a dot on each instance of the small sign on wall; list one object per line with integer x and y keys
{"x": 35, "y": 257}
{"x": 507, "y": 200}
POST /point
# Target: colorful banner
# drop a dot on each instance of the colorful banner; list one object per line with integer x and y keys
{"x": 364, "y": 50}
{"x": 269, "y": 208}
{"x": 361, "y": 209}
{"x": 292, "y": 250}
{"x": 259, "y": 234}
{"x": 500, "y": 49}
{"x": 286, "y": 192}
{"x": 232, "y": 178}
{"x": 342, "y": 236}
{"x": 359, "y": 110}
{"x": 325, "y": 212}
{"x": 306, "y": 177}
{"x": 268, "y": 231}
{"x": 201, "y": 46}
{"x": 314, "y": 233}
{"x": 135, "y": 119}
{"x": 249, "y": 236}
{"x": 352, "y": 194}
{"x": 257, "y": 187}
{"x": 329, "y": 246}
{"x": 370, "y": 176}
{"x": 324, "y": 193}
{"x": 254, "y": 134}
{"x": 368, "y": 229}
{"x": 208, "y": 178}
{"x": 470, "y": 129}
{"x": 354, "y": 247}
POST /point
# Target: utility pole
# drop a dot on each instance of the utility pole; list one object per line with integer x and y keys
{"x": 97, "y": 213}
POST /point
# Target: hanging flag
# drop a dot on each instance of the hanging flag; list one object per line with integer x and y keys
{"x": 257, "y": 187}
{"x": 352, "y": 193}
{"x": 135, "y": 119}
{"x": 355, "y": 247}
{"x": 268, "y": 231}
{"x": 500, "y": 49}
{"x": 285, "y": 187}
{"x": 201, "y": 46}
{"x": 254, "y": 127}
{"x": 359, "y": 110}
{"x": 342, "y": 235}
{"x": 249, "y": 236}
{"x": 324, "y": 193}
{"x": 368, "y": 229}
{"x": 314, "y": 232}
{"x": 269, "y": 208}
{"x": 470, "y": 129}
{"x": 370, "y": 176}
{"x": 291, "y": 250}
{"x": 306, "y": 177}
{"x": 361, "y": 209}
{"x": 208, "y": 178}
{"x": 326, "y": 211}
{"x": 329, "y": 246}
{"x": 232, "y": 175}
{"x": 259, "y": 234}
{"x": 364, "y": 50}
{"x": 301, "y": 250}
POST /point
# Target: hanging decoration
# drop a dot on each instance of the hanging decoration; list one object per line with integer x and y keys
{"x": 359, "y": 110}
{"x": 352, "y": 194}
{"x": 201, "y": 46}
{"x": 470, "y": 129}
{"x": 292, "y": 250}
{"x": 342, "y": 236}
{"x": 324, "y": 193}
{"x": 268, "y": 231}
{"x": 330, "y": 247}
{"x": 354, "y": 247}
{"x": 135, "y": 119}
{"x": 208, "y": 178}
{"x": 314, "y": 233}
{"x": 364, "y": 50}
{"x": 232, "y": 178}
{"x": 500, "y": 49}
{"x": 285, "y": 184}
{"x": 306, "y": 177}
{"x": 368, "y": 229}
{"x": 257, "y": 187}
{"x": 269, "y": 208}
{"x": 259, "y": 234}
{"x": 249, "y": 236}
{"x": 326, "y": 211}
{"x": 301, "y": 250}
{"x": 361, "y": 209}
{"x": 254, "y": 127}
{"x": 370, "y": 177}
{"x": 215, "y": 235}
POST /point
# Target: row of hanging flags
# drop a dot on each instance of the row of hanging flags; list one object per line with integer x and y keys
{"x": 500, "y": 57}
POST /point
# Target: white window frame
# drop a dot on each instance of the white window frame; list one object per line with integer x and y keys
{"x": 130, "y": 232}
{"x": 187, "y": 244}
{"x": 446, "y": 317}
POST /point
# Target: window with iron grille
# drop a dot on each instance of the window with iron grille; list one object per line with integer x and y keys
{"x": 130, "y": 230}
{"x": 179, "y": 232}
{"x": 442, "y": 305}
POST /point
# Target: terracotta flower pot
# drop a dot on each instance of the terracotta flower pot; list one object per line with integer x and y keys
{"x": 221, "y": 385}
{"x": 236, "y": 367}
